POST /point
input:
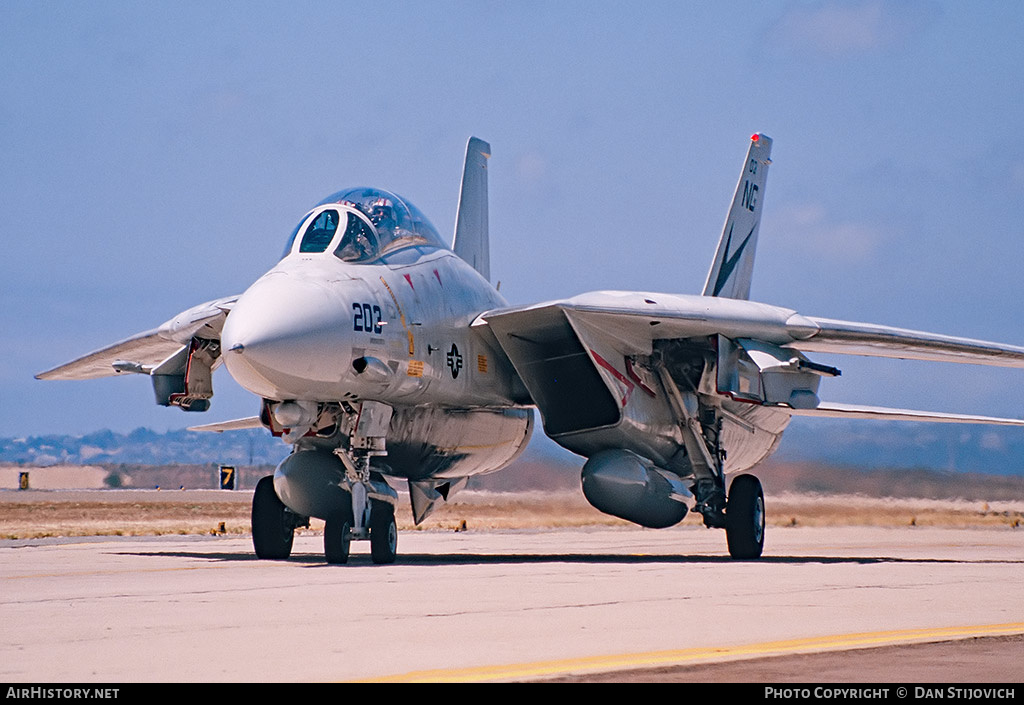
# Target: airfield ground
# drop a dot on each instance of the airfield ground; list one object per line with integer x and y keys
{"x": 895, "y": 574}
{"x": 594, "y": 603}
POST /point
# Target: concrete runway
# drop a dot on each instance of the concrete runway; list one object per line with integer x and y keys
{"x": 515, "y": 605}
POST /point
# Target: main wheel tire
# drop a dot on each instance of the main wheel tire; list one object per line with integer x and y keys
{"x": 273, "y": 530}
{"x": 338, "y": 537}
{"x": 744, "y": 518}
{"x": 383, "y": 533}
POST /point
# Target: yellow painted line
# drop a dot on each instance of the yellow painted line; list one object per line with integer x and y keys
{"x": 697, "y": 655}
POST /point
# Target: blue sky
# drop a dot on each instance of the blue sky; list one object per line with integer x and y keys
{"x": 156, "y": 155}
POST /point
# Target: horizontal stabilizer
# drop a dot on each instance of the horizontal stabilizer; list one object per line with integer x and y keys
{"x": 235, "y": 425}
{"x": 853, "y": 411}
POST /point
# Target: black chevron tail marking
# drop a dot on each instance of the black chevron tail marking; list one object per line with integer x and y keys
{"x": 730, "y": 262}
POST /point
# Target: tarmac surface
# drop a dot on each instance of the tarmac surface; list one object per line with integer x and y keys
{"x": 580, "y": 604}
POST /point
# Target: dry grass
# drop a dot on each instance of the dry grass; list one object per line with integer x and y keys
{"x": 43, "y": 517}
{"x": 790, "y": 509}
{"x": 40, "y": 519}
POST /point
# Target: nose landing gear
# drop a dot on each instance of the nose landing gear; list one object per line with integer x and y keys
{"x": 372, "y": 511}
{"x": 382, "y": 531}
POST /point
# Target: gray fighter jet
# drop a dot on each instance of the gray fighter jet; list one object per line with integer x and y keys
{"x": 384, "y": 355}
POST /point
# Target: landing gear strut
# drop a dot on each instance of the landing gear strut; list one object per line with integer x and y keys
{"x": 744, "y": 514}
{"x": 710, "y": 496}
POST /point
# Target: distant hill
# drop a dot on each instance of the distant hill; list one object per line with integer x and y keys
{"x": 145, "y": 447}
{"x": 957, "y": 448}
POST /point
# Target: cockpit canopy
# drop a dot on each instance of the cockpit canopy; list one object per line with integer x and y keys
{"x": 372, "y": 223}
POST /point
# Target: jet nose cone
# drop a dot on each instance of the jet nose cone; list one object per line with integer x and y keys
{"x": 285, "y": 337}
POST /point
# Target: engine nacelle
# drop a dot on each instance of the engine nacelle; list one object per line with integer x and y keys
{"x": 626, "y": 485}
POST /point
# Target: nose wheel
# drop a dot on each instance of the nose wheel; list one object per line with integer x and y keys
{"x": 338, "y": 537}
{"x": 383, "y": 533}
{"x": 382, "y": 530}
{"x": 744, "y": 518}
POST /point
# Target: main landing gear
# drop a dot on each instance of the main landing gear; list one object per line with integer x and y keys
{"x": 742, "y": 515}
{"x": 744, "y": 518}
{"x": 273, "y": 524}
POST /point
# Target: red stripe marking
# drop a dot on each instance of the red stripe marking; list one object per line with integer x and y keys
{"x": 615, "y": 373}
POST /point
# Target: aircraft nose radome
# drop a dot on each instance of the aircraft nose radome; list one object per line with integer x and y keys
{"x": 283, "y": 336}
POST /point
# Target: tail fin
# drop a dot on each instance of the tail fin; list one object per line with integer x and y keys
{"x": 472, "y": 242}
{"x": 733, "y": 266}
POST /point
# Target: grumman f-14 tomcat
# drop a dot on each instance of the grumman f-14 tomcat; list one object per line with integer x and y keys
{"x": 382, "y": 354}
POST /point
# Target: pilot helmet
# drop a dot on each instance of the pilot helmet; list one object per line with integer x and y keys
{"x": 382, "y": 212}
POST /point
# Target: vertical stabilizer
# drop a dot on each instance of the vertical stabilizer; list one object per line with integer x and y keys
{"x": 472, "y": 242}
{"x": 733, "y": 266}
